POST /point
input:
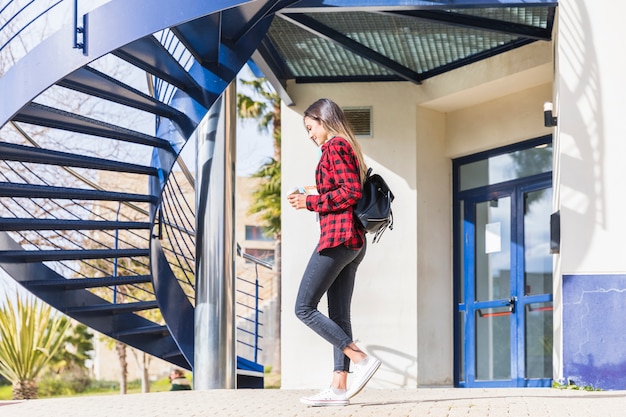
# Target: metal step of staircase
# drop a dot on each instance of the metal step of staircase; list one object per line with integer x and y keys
{"x": 8, "y": 189}
{"x": 171, "y": 354}
{"x": 21, "y": 153}
{"x": 28, "y": 256}
{"x": 18, "y": 224}
{"x": 146, "y": 331}
{"x": 95, "y": 83}
{"x": 107, "y": 309}
{"x": 41, "y": 115}
{"x": 149, "y": 55}
{"x": 83, "y": 283}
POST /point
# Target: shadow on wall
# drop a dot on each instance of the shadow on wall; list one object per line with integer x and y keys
{"x": 398, "y": 369}
{"x": 582, "y": 138}
{"x": 594, "y": 307}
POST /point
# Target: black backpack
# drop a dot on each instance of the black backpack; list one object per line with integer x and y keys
{"x": 373, "y": 210}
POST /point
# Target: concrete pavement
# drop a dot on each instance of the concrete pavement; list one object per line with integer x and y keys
{"x": 431, "y": 402}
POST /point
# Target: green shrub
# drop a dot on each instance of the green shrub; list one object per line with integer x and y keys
{"x": 99, "y": 386}
{"x": 54, "y": 387}
{"x": 69, "y": 383}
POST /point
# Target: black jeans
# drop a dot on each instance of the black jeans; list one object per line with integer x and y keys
{"x": 331, "y": 271}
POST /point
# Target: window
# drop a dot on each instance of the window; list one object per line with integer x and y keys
{"x": 258, "y": 233}
{"x": 506, "y": 166}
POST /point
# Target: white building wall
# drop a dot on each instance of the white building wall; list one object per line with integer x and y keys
{"x": 403, "y": 307}
{"x": 384, "y": 312}
{"x": 590, "y": 91}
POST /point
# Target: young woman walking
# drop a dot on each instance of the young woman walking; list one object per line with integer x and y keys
{"x": 332, "y": 267}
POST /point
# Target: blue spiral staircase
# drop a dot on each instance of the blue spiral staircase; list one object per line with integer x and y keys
{"x": 72, "y": 231}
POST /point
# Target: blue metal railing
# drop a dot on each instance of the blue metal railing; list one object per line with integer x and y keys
{"x": 23, "y": 19}
{"x": 177, "y": 232}
{"x": 35, "y": 208}
{"x": 250, "y": 315}
{"x": 78, "y": 29}
{"x": 176, "y": 225}
{"x": 177, "y": 236}
{"x": 31, "y": 22}
{"x": 163, "y": 90}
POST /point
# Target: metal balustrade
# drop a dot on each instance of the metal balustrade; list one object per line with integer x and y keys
{"x": 176, "y": 230}
{"x": 248, "y": 308}
{"x": 58, "y": 225}
{"x": 29, "y": 19}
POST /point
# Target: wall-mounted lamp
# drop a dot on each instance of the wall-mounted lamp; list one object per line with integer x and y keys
{"x": 548, "y": 119}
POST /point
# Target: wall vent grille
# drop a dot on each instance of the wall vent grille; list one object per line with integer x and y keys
{"x": 360, "y": 119}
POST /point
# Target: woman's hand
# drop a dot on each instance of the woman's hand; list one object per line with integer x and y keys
{"x": 297, "y": 201}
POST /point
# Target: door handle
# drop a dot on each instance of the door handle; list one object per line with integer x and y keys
{"x": 512, "y": 304}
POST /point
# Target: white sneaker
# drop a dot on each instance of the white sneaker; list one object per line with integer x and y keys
{"x": 327, "y": 397}
{"x": 363, "y": 372}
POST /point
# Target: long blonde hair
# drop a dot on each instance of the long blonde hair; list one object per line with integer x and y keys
{"x": 332, "y": 118}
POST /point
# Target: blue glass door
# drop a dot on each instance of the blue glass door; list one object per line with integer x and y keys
{"x": 490, "y": 302}
{"x": 504, "y": 283}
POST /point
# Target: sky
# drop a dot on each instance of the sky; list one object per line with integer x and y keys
{"x": 8, "y": 286}
{"x": 254, "y": 148}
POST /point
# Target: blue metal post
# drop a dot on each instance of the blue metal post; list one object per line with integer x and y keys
{"x": 117, "y": 216}
{"x": 78, "y": 30}
{"x": 256, "y": 314}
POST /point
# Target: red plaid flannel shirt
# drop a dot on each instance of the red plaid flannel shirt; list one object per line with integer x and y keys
{"x": 339, "y": 187}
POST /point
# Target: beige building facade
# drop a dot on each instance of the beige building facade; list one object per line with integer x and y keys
{"x": 404, "y": 303}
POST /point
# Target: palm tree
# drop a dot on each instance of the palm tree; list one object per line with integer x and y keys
{"x": 266, "y": 111}
{"x": 75, "y": 357}
{"x": 267, "y": 197}
{"x": 30, "y": 335}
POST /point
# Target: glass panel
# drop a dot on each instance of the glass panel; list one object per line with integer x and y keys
{"x": 462, "y": 254}
{"x": 493, "y": 343}
{"x": 493, "y": 249}
{"x": 538, "y": 336}
{"x": 462, "y": 345}
{"x": 537, "y": 258}
{"x": 500, "y": 168}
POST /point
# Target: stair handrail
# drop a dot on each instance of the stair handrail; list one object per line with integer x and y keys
{"x": 47, "y": 240}
{"x": 177, "y": 219}
{"x": 74, "y": 173}
{"x": 255, "y": 310}
{"x": 24, "y": 70}
{"x": 162, "y": 90}
{"x": 21, "y": 12}
{"x": 164, "y": 278}
{"x": 19, "y": 83}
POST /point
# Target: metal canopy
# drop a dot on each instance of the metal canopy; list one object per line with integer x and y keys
{"x": 316, "y": 41}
